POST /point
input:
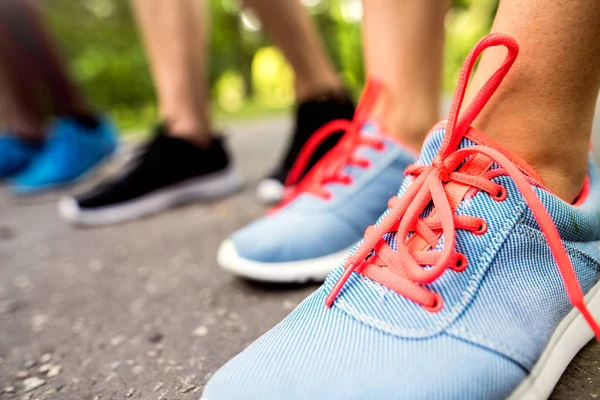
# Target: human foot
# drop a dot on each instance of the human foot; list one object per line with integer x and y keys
{"x": 325, "y": 213}
{"x": 71, "y": 151}
{"x": 16, "y": 154}
{"x": 311, "y": 115}
{"x": 168, "y": 172}
{"x": 466, "y": 288}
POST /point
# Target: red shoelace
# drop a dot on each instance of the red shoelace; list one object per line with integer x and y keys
{"x": 403, "y": 270}
{"x": 330, "y": 168}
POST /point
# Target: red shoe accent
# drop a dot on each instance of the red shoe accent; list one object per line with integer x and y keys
{"x": 329, "y": 168}
{"x": 445, "y": 187}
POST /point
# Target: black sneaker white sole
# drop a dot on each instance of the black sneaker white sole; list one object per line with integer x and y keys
{"x": 207, "y": 187}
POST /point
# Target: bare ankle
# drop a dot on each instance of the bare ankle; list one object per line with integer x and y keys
{"x": 410, "y": 125}
{"x": 308, "y": 88}
{"x": 192, "y": 131}
{"x": 565, "y": 184}
{"x": 560, "y": 159}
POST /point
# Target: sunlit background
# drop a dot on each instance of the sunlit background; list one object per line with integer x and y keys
{"x": 249, "y": 76}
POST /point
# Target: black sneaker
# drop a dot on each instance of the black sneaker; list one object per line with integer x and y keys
{"x": 168, "y": 172}
{"x": 310, "y": 116}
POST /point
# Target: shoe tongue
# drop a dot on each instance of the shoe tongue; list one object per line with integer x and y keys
{"x": 474, "y": 137}
{"x": 371, "y": 130}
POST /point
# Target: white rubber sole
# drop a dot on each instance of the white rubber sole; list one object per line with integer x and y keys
{"x": 269, "y": 191}
{"x": 205, "y": 188}
{"x": 314, "y": 269}
{"x": 571, "y": 335}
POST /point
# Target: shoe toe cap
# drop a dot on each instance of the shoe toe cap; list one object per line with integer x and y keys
{"x": 307, "y": 356}
{"x": 285, "y": 238}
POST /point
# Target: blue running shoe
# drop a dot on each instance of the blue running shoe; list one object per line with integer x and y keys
{"x": 72, "y": 150}
{"x": 15, "y": 155}
{"x": 324, "y": 215}
{"x": 468, "y": 287}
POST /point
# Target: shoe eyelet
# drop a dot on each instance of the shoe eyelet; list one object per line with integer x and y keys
{"x": 380, "y": 146}
{"x": 365, "y": 163}
{"x": 437, "y": 305}
{"x": 482, "y": 228}
{"x": 461, "y": 263}
{"x": 501, "y": 195}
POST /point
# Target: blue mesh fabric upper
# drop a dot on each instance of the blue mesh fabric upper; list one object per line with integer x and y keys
{"x": 373, "y": 343}
{"x": 311, "y": 227}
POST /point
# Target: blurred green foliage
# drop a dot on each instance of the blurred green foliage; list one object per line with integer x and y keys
{"x": 248, "y": 75}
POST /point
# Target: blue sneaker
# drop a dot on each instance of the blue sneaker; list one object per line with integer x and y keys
{"x": 71, "y": 151}
{"x": 458, "y": 292}
{"x": 324, "y": 215}
{"x": 15, "y": 155}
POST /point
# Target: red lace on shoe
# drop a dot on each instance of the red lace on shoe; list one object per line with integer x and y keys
{"x": 403, "y": 270}
{"x": 330, "y": 168}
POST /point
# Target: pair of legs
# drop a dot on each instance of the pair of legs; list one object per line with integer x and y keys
{"x": 194, "y": 163}
{"x": 550, "y": 94}
{"x": 409, "y": 65}
{"x": 175, "y": 36}
{"x": 544, "y": 109}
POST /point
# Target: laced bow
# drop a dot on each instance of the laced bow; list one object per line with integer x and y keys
{"x": 329, "y": 168}
{"x": 402, "y": 269}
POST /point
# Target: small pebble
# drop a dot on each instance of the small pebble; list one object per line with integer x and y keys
{"x": 32, "y": 383}
{"x": 130, "y": 392}
{"x": 22, "y": 374}
{"x": 44, "y": 367}
{"x": 187, "y": 388}
{"x": 54, "y": 371}
{"x": 138, "y": 369}
{"x": 45, "y": 358}
{"x": 110, "y": 377}
{"x": 9, "y": 389}
{"x": 155, "y": 337}
{"x": 201, "y": 331}
{"x": 117, "y": 340}
{"x": 38, "y": 322}
{"x": 158, "y": 386}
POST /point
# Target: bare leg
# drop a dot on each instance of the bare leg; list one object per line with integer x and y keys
{"x": 175, "y": 36}
{"x": 543, "y": 110}
{"x": 35, "y": 82}
{"x": 289, "y": 26}
{"x": 403, "y": 43}
{"x": 25, "y": 119}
